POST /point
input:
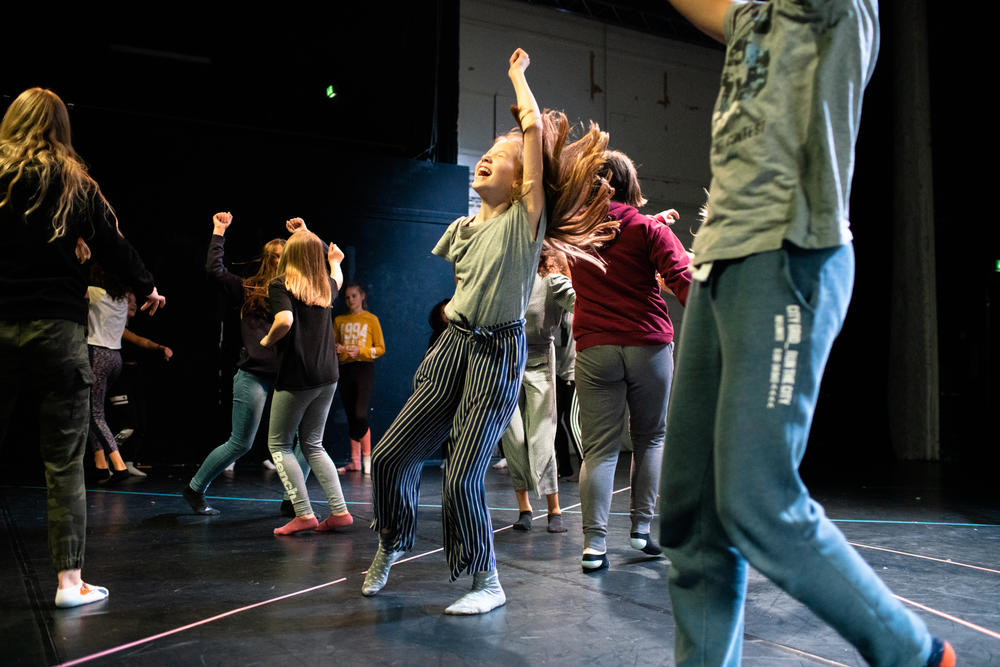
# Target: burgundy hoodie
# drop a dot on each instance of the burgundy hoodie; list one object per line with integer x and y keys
{"x": 623, "y": 306}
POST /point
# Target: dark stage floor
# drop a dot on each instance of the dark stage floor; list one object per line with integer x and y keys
{"x": 223, "y": 590}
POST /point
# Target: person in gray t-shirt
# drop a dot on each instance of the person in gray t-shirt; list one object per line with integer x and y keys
{"x": 773, "y": 278}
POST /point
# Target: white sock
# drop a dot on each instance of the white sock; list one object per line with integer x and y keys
{"x": 74, "y": 596}
{"x": 486, "y": 595}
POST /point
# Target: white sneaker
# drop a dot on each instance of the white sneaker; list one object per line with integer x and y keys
{"x": 500, "y": 465}
{"x": 74, "y": 596}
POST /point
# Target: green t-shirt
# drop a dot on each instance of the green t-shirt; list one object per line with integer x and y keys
{"x": 495, "y": 263}
{"x": 785, "y": 124}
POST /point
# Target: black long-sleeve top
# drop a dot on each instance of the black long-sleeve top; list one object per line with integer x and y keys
{"x": 43, "y": 279}
{"x": 254, "y": 323}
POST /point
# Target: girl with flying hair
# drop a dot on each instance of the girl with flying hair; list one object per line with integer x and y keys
{"x": 301, "y": 297}
{"x": 257, "y": 365}
{"x": 533, "y": 187}
{"x": 48, "y": 202}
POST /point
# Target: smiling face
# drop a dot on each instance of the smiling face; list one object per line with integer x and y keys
{"x": 498, "y": 172}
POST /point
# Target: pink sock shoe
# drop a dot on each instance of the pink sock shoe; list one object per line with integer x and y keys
{"x": 335, "y": 521}
{"x": 297, "y": 525}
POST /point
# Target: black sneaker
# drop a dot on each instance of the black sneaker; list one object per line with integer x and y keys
{"x": 116, "y": 478}
{"x": 644, "y": 543}
{"x": 197, "y": 502}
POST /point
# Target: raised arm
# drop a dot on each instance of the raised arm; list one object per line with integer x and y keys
{"x": 295, "y": 224}
{"x": 215, "y": 264}
{"x": 707, "y": 15}
{"x": 530, "y": 119}
{"x": 335, "y": 256}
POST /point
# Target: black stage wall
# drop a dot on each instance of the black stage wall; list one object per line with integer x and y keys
{"x": 187, "y": 117}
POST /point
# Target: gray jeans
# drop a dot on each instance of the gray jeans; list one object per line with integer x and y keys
{"x": 610, "y": 378}
{"x": 304, "y": 410}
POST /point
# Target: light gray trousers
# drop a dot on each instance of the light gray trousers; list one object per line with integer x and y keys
{"x": 529, "y": 443}
{"x": 610, "y": 378}
{"x": 304, "y": 410}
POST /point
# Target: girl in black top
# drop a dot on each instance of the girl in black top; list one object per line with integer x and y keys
{"x": 301, "y": 298}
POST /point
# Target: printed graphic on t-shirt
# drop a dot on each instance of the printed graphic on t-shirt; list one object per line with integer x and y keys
{"x": 745, "y": 74}
{"x": 785, "y": 356}
{"x": 354, "y": 333}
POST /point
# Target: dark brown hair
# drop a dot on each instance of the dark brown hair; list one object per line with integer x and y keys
{"x": 621, "y": 174}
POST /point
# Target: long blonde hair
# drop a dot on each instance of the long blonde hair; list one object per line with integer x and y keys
{"x": 577, "y": 193}
{"x": 303, "y": 267}
{"x": 35, "y": 136}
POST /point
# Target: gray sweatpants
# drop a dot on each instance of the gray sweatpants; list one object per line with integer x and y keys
{"x": 529, "y": 443}
{"x": 305, "y": 411}
{"x": 609, "y": 378}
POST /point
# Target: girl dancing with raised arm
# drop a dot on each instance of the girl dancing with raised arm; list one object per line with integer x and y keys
{"x": 466, "y": 388}
{"x": 301, "y": 297}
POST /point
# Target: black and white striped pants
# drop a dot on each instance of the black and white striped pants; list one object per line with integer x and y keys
{"x": 465, "y": 391}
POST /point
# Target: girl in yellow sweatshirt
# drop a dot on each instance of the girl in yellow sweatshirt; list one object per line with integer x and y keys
{"x": 359, "y": 343}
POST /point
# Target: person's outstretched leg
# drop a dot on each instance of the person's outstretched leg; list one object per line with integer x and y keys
{"x": 106, "y": 365}
{"x": 287, "y": 411}
{"x": 492, "y": 383}
{"x": 250, "y": 393}
{"x": 707, "y": 576}
{"x": 311, "y": 431}
{"x": 47, "y": 360}
{"x": 540, "y": 425}
{"x": 767, "y": 392}
{"x": 801, "y": 300}
{"x": 397, "y": 459}
{"x": 649, "y": 371}
{"x": 600, "y": 386}
{"x": 515, "y": 448}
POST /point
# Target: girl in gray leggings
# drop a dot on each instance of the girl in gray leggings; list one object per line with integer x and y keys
{"x": 624, "y": 359}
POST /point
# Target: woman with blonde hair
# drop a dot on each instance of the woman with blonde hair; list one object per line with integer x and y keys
{"x": 533, "y": 186}
{"x": 49, "y": 204}
{"x": 301, "y": 297}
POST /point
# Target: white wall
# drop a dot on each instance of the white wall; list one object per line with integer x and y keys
{"x": 633, "y": 74}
